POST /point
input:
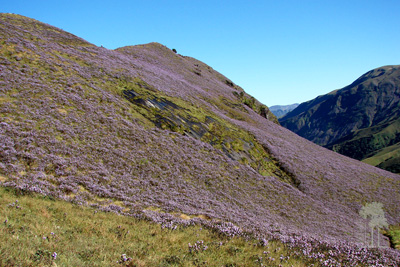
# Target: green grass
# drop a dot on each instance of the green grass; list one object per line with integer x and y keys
{"x": 33, "y": 227}
{"x": 394, "y": 234}
{"x": 383, "y": 155}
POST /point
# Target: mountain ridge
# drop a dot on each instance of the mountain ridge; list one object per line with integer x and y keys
{"x": 355, "y": 121}
{"x": 281, "y": 110}
{"x": 144, "y": 130}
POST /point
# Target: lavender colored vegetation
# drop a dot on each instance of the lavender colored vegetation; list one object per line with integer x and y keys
{"x": 67, "y": 130}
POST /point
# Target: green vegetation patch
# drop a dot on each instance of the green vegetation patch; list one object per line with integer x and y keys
{"x": 36, "y": 230}
{"x": 394, "y": 235}
{"x": 180, "y": 116}
{"x": 384, "y": 155}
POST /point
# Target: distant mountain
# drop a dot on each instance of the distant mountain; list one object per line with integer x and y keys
{"x": 360, "y": 121}
{"x": 146, "y": 132}
{"x": 281, "y": 110}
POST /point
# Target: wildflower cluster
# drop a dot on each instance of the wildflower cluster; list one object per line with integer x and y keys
{"x": 199, "y": 246}
{"x": 124, "y": 259}
{"x": 14, "y": 205}
{"x": 169, "y": 225}
{"x": 339, "y": 253}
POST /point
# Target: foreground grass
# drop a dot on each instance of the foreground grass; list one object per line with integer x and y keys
{"x": 40, "y": 231}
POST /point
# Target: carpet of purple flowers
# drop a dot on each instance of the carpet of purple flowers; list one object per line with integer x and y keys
{"x": 67, "y": 131}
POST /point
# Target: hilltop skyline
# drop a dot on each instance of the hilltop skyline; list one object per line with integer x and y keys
{"x": 279, "y": 52}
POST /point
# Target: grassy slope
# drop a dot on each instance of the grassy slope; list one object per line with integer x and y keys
{"x": 37, "y": 230}
{"x": 33, "y": 227}
{"x": 384, "y": 154}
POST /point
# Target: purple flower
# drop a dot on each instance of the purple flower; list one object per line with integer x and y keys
{"x": 124, "y": 258}
{"x": 54, "y": 255}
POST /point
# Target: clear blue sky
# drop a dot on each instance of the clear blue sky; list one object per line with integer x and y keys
{"x": 281, "y": 52}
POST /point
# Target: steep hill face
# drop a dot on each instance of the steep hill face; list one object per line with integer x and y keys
{"x": 358, "y": 120}
{"x": 142, "y": 130}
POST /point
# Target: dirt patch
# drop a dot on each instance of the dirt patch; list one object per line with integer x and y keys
{"x": 3, "y": 178}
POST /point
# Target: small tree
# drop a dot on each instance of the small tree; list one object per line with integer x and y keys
{"x": 174, "y": 50}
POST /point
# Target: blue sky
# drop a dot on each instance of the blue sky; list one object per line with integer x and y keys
{"x": 281, "y": 52}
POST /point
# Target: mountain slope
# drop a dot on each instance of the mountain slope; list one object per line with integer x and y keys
{"x": 281, "y": 110}
{"x": 377, "y": 145}
{"x": 355, "y": 121}
{"x": 387, "y": 158}
{"x": 142, "y": 130}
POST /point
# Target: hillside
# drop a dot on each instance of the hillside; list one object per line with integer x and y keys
{"x": 359, "y": 121}
{"x": 146, "y": 132}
